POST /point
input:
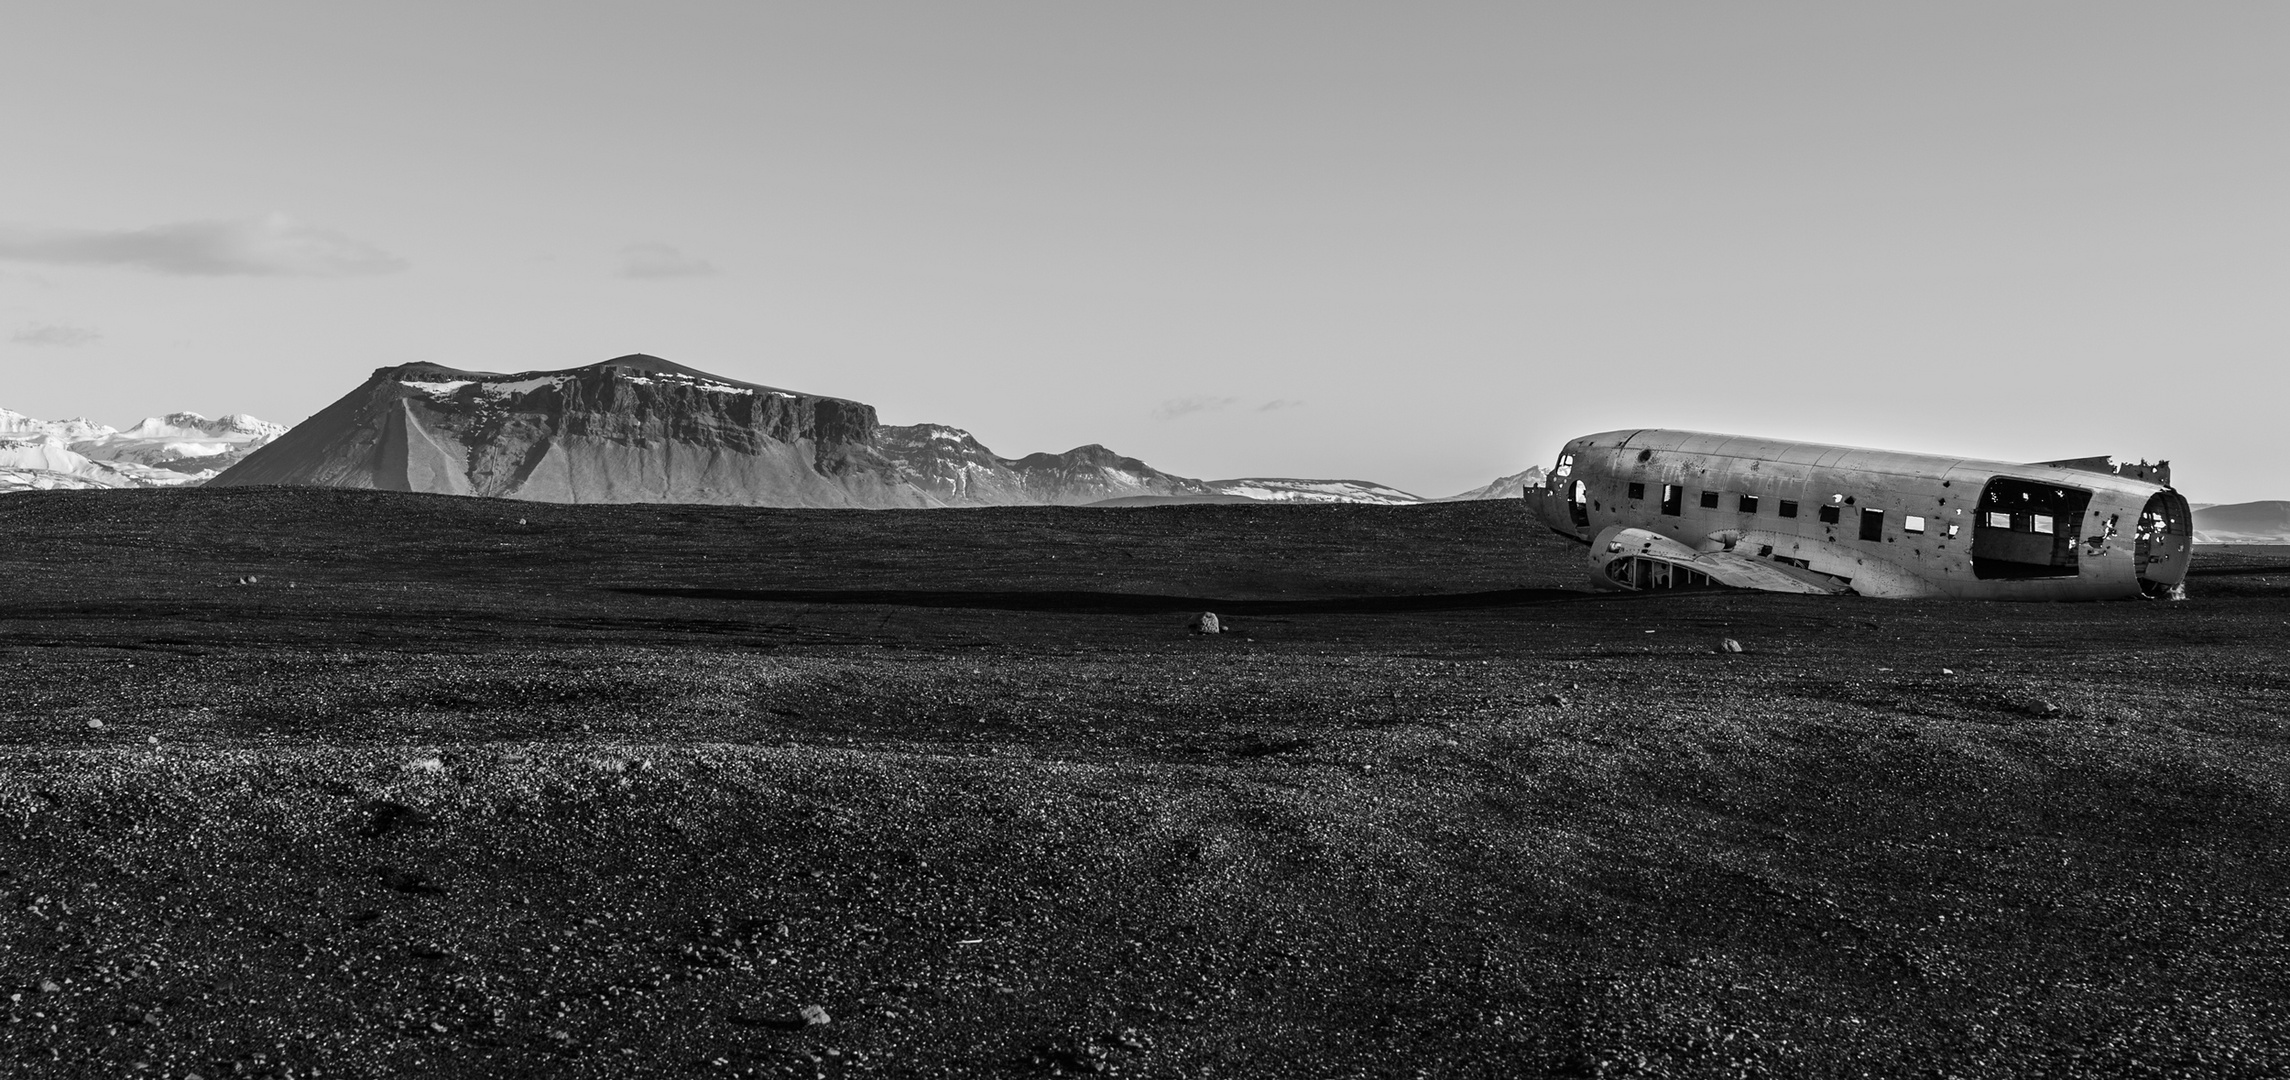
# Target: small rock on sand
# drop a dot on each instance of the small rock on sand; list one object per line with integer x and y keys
{"x": 1207, "y": 623}
{"x": 1729, "y": 645}
{"x": 813, "y": 1015}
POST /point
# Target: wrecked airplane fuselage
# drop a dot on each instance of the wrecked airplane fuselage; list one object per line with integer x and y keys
{"x": 1685, "y": 509}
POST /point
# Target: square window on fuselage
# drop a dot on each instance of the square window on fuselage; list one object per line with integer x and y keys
{"x": 1709, "y": 500}
{"x": 1912, "y": 523}
{"x": 1637, "y": 491}
{"x": 1787, "y": 508}
{"x": 1872, "y": 524}
{"x": 1829, "y": 514}
{"x": 1748, "y": 504}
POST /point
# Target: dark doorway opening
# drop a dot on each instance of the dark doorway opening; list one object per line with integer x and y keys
{"x": 2026, "y": 529}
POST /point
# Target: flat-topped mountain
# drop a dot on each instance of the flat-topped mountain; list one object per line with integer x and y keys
{"x": 633, "y": 429}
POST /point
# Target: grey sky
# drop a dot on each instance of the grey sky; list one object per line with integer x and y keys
{"x": 1448, "y": 236}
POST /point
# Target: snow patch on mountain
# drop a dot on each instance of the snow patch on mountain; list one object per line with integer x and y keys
{"x": 72, "y": 430}
{"x": 40, "y": 451}
{"x": 1279, "y": 489}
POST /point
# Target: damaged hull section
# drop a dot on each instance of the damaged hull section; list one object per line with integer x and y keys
{"x": 1681, "y": 509}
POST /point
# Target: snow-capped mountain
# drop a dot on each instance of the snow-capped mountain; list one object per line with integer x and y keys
{"x": 160, "y": 451}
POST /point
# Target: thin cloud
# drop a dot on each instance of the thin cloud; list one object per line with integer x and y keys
{"x": 662, "y": 261}
{"x": 272, "y": 246}
{"x": 1279, "y": 404}
{"x": 1186, "y": 406}
{"x": 55, "y": 334}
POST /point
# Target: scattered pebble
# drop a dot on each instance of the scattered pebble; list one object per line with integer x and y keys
{"x": 1206, "y": 623}
{"x": 95, "y": 723}
{"x": 1729, "y": 645}
{"x": 813, "y": 1015}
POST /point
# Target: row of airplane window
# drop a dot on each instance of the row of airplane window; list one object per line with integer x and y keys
{"x": 1872, "y": 521}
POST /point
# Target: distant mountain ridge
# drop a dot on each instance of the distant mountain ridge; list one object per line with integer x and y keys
{"x": 161, "y": 451}
{"x": 643, "y": 429}
{"x": 2263, "y": 522}
{"x": 632, "y": 429}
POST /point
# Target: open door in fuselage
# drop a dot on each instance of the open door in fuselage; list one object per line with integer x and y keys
{"x": 2027, "y": 529}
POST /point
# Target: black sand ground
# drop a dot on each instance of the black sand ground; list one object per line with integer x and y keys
{"x": 613, "y": 791}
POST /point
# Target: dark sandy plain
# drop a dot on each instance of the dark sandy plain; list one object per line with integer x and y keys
{"x": 458, "y": 787}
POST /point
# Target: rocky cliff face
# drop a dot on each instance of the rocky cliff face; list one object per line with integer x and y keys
{"x": 634, "y": 429}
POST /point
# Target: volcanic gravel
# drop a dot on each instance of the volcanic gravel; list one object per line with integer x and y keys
{"x": 347, "y": 784}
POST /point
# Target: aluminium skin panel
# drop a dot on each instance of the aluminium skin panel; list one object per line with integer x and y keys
{"x": 1939, "y": 491}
